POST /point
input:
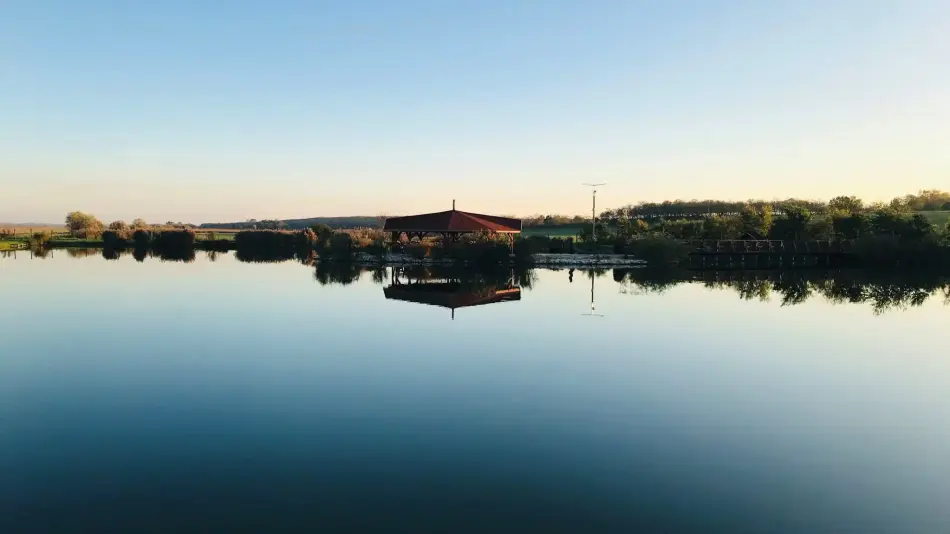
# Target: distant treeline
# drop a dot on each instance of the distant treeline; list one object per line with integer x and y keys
{"x": 882, "y": 235}
{"x": 85, "y": 225}
{"x": 927, "y": 200}
{"x": 300, "y": 224}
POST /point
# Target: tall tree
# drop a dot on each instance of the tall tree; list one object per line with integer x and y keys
{"x": 83, "y": 225}
{"x": 846, "y": 204}
{"x": 756, "y": 221}
{"x": 793, "y": 223}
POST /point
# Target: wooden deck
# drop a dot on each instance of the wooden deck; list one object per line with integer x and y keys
{"x": 767, "y": 253}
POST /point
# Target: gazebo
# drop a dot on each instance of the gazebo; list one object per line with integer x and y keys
{"x": 449, "y": 291}
{"x": 451, "y": 225}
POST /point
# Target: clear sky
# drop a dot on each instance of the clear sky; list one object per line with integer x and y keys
{"x": 200, "y": 111}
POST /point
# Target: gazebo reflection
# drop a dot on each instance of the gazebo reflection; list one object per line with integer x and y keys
{"x": 450, "y": 289}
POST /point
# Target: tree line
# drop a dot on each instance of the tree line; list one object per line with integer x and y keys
{"x": 792, "y": 223}
{"x": 926, "y": 200}
{"x": 844, "y": 217}
{"x": 86, "y": 226}
{"x": 300, "y": 224}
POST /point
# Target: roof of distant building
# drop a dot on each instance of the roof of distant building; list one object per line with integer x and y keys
{"x": 453, "y": 221}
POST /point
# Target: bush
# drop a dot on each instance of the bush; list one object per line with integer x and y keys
{"x": 377, "y": 248}
{"x": 111, "y": 239}
{"x": 323, "y": 234}
{"x": 306, "y": 239}
{"x": 40, "y": 238}
{"x": 142, "y": 238}
{"x": 419, "y": 251}
{"x": 122, "y": 231}
{"x": 892, "y": 251}
{"x": 174, "y": 240}
{"x": 341, "y": 244}
{"x": 83, "y": 225}
{"x": 681, "y": 229}
{"x": 271, "y": 245}
{"x": 485, "y": 252}
{"x": 527, "y": 246}
{"x": 722, "y": 227}
{"x": 850, "y": 225}
{"x": 658, "y": 250}
{"x": 792, "y": 224}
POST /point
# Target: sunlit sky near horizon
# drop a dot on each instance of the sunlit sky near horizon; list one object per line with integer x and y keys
{"x": 209, "y": 111}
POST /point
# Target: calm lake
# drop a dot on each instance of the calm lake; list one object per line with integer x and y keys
{"x": 222, "y": 396}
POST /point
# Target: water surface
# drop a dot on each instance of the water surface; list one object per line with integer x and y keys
{"x": 220, "y": 396}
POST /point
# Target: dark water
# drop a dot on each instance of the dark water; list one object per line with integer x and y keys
{"x": 239, "y": 397}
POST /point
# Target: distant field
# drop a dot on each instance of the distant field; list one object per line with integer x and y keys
{"x": 567, "y": 230}
{"x": 24, "y": 229}
{"x": 939, "y": 218}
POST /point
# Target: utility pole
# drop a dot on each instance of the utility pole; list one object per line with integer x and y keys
{"x": 593, "y": 209}
{"x": 592, "y": 313}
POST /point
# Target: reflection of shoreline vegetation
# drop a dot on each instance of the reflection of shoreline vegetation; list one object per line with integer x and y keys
{"x": 884, "y": 290}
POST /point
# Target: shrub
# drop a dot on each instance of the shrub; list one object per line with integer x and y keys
{"x": 111, "y": 239}
{"x": 306, "y": 239}
{"x": 680, "y": 229}
{"x": 174, "y": 240}
{"x": 83, "y": 225}
{"x": 122, "y": 230}
{"x": 722, "y": 227}
{"x": 893, "y": 251}
{"x": 850, "y": 225}
{"x": 486, "y": 252}
{"x": 40, "y": 238}
{"x": 341, "y": 244}
{"x": 323, "y": 234}
{"x": 418, "y": 251}
{"x": 658, "y": 250}
{"x": 142, "y": 238}
{"x": 273, "y": 245}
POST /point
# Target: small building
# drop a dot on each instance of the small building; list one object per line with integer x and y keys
{"x": 449, "y": 291}
{"x": 451, "y": 225}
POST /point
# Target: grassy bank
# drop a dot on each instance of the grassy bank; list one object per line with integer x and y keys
{"x": 908, "y": 244}
{"x": 938, "y": 218}
{"x": 565, "y": 230}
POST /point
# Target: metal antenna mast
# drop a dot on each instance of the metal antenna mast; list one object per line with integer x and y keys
{"x": 592, "y": 313}
{"x": 593, "y": 209}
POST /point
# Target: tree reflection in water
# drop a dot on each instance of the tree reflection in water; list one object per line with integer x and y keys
{"x": 882, "y": 290}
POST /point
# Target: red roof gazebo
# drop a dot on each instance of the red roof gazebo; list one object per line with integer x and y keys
{"x": 451, "y": 224}
{"x": 449, "y": 290}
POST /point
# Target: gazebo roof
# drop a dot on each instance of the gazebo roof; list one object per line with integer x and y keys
{"x": 453, "y": 221}
{"x": 451, "y": 295}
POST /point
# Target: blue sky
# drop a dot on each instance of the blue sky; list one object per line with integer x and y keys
{"x": 200, "y": 111}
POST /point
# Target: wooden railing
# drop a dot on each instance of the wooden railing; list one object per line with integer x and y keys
{"x": 768, "y": 246}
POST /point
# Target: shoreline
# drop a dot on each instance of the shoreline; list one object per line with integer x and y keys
{"x": 538, "y": 260}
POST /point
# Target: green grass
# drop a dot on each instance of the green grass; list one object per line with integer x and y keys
{"x": 939, "y": 218}
{"x": 202, "y": 235}
{"x": 11, "y": 245}
{"x": 566, "y": 230}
